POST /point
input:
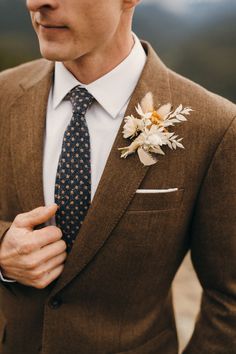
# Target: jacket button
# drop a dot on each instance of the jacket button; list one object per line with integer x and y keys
{"x": 55, "y": 303}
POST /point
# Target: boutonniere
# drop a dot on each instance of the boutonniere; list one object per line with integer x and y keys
{"x": 150, "y": 131}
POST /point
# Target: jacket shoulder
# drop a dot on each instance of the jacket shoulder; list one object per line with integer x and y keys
{"x": 10, "y": 79}
{"x": 210, "y": 120}
{"x": 211, "y": 108}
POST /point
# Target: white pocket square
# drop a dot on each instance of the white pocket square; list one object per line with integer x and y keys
{"x": 169, "y": 190}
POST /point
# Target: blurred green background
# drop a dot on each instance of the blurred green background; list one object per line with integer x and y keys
{"x": 196, "y": 38}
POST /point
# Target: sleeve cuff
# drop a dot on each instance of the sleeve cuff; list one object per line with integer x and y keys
{"x": 5, "y": 280}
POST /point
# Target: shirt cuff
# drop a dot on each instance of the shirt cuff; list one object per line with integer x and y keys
{"x": 6, "y": 280}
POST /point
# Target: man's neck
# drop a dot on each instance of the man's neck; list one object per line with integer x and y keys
{"x": 92, "y": 66}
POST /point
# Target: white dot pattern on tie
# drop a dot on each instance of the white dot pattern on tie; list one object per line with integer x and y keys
{"x": 73, "y": 179}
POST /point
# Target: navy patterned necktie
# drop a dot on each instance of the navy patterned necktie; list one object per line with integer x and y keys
{"x": 73, "y": 179}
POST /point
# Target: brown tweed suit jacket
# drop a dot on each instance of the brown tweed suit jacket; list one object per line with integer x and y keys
{"x": 114, "y": 295}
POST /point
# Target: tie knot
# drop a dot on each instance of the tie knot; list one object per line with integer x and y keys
{"x": 80, "y": 99}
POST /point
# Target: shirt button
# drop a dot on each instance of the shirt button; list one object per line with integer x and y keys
{"x": 55, "y": 303}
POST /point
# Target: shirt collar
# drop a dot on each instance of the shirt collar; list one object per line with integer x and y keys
{"x": 113, "y": 90}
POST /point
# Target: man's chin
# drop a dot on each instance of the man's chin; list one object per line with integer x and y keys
{"x": 53, "y": 54}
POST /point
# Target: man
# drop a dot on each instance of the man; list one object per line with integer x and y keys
{"x": 97, "y": 279}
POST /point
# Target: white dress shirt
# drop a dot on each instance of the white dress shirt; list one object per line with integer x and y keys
{"x": 112, "y": 93}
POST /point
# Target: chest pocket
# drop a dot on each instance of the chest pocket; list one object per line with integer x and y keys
{"x": 156, "y": 201}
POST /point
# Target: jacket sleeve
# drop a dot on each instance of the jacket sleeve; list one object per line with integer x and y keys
{"x": 4, "y": 226}
{"x": 213, "y": 252}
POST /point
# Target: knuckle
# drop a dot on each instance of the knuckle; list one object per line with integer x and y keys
{"x": 61, "y": 268}
{"x": 38, "y": 274}
{"x": 64, "y": 256}
{"x": 18, "y": 221}
{"x": 58, "y": 271}
{"x": 30, "y": 264}
{"x": 25, "y": 247}
{"x": 36, "y": 212}
{"x": 62, "y": 245}
{"x": 58, "y": 232}
{"x": 55, "y": 231}
{"x": 20, "y": 249}
{"x": 40, "y": 284}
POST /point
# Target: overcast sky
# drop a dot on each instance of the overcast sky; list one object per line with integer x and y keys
{"x": 179, "y": 5}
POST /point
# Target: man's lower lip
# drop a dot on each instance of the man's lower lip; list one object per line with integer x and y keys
{"x": 44, "y": 28}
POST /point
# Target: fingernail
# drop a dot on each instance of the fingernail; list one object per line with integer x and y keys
{"x": 52, "y": 206}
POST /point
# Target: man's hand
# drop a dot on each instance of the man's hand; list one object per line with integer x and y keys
{"x": 33, "y": 257}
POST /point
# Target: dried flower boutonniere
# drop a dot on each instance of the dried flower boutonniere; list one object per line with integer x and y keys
{"x": 150, "y": 131}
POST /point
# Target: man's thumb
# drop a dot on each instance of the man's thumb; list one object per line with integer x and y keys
{"x": 36, "y": 216}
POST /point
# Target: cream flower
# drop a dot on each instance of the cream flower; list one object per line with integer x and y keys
{"x": 155, "y": 137}
{"x": 152, "y": 129}
{"x": 132, "y": 126}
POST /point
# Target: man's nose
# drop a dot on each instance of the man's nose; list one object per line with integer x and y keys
{"x": 35, "y": 5}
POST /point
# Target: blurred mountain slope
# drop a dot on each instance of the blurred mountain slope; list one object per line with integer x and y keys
{"x": 199, "y": 42}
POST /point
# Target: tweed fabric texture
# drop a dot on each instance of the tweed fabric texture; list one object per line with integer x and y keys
{"x": 112, "y": 296}
{"x": 73, "y": 179}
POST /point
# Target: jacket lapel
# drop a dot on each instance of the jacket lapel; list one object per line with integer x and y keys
{"x": 120, "y": 180}
{"x": 27, "y": 116}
